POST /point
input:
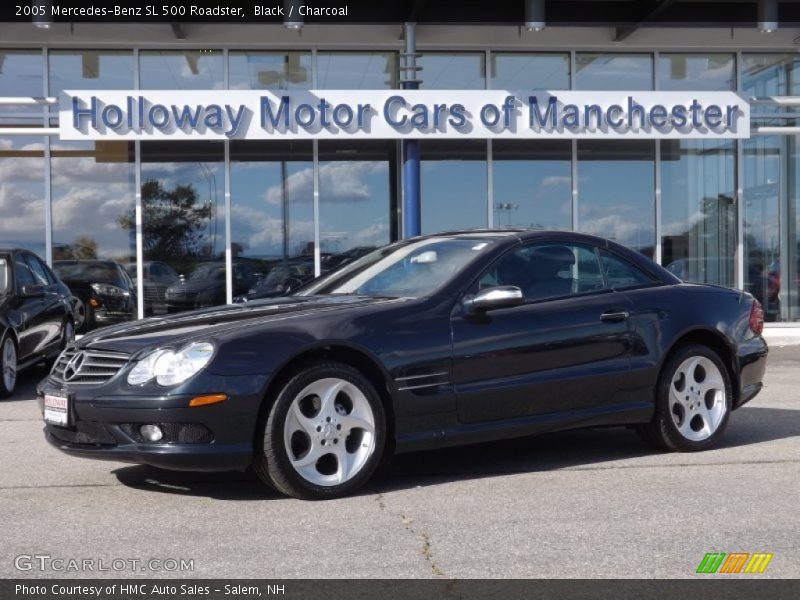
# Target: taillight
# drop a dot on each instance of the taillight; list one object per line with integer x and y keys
{"x": 756, "y": 318}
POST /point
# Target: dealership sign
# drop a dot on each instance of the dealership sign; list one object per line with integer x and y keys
{"x": 394, "y": 114}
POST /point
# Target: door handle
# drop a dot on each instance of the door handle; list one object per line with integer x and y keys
{"x": 615, "y": 316}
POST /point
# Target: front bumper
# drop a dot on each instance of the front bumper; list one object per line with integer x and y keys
{"x": 104, "y": 427}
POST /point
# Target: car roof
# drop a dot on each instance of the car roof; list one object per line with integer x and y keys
{"x": 522, "y": 234}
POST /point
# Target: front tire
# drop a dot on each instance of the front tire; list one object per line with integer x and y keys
{"x": 324, "y": 435}
{"x": 693, "y": 403}
{"x": 8, "y": 366}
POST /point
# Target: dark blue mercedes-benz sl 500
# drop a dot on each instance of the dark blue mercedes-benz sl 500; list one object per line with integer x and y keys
{"x": 438, "y": 340}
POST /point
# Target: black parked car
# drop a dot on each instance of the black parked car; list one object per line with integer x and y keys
{"x": 206, "y": 286}
{"x": 35, "y": 314}
{"x": 281, "y": 280}
{"x": 102, "y": 292}
{"x": 434, "y": 341}
{"x": 158, "y": 276}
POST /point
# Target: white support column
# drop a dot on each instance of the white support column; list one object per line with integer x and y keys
{"x": 48, "y": 207}
{"x": 740, "y": 203}
{"x": 227, "y": 171}
{"x": 139, "y": 217}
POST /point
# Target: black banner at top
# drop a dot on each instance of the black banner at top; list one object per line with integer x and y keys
{"x": 475, "y": 12}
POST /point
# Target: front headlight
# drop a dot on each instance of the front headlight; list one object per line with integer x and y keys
{"x": 105, "y": 289}
{"x": 171, "y": 368}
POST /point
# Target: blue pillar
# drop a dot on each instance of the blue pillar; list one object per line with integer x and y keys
{"x": 412, "y": 202}
{"x": 412, "y": 213}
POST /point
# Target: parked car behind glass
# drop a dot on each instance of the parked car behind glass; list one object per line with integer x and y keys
{"x": 102, "y": 291}
{"x": 206, "y": 286}
{"x": 35, "y": 314}
{"x": 158, "y": 276}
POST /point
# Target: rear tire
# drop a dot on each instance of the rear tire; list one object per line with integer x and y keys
{"x": 693, "y": 402}
{"x": 324, "y": 435}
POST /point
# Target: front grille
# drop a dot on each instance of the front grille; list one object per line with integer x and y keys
{"x": 95, "y": 368}
{"x": 154, "y": 293}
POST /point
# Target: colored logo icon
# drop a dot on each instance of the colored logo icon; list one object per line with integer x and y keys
{"x": 735, "y": 562}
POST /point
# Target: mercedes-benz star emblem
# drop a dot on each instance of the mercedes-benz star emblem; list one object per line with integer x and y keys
{"x": 73, "y": 366}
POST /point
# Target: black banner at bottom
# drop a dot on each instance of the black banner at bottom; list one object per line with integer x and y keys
{"x": 388, "y": 589}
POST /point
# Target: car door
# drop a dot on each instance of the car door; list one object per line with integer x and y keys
{"x": 566, "y": 348}
{"x": 52, "y": 316}
{"x": 28, "y": 311}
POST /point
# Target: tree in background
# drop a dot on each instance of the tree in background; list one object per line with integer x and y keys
{"x": 173, "y": 229}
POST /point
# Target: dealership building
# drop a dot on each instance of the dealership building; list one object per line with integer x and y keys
{"x": 186, "y": 144}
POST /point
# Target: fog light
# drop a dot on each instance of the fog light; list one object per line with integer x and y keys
{"x": 151, "y": 433}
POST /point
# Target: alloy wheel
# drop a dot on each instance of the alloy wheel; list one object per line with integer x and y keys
{"x": 9, "y": 364}
{"x": 329, "y": 432}
{"x": 697, "y": 399}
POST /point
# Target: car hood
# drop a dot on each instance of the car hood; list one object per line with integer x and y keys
{"x": 183, "y": 328}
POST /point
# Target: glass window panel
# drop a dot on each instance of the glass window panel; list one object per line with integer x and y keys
{"x": 771, "y": 75}
{"x": 272, "y": 210}
{"x": 595, "y": 71}
{"x": 22, "y": 192}
{"x": 463, "y": 71}
{"x": 21, "y": 74}
{"x": 269, "y": 70}
{"x": 532, "y": 183}
{"x": 541, "y": 71}
{"x": 356, "y": 70}
{"x": 93, "y": 197}
{"x": 454, "y": 185}
{"x": 698, "y": 215}
{"x": 356, "y": 186}
{"x": 762, "y": 227}
{"x": 90, "y": 70}
{"x": 696, "y": 72}
{"x": 184, "y": 223}
{"x": 181, "y": 70}
{"x": 616, "y": 191}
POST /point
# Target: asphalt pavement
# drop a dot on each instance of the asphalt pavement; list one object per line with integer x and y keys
{"x": 582, "y": 504}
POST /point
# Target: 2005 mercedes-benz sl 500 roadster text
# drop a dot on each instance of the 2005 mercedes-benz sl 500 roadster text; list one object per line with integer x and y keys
{"x": 439, "y": 340}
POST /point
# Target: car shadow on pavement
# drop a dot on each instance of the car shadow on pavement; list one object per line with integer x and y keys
{"x": 582, "y": 449}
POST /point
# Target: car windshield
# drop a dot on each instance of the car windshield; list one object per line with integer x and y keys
{"x": 5, "y": 277}
{"x": 89, "y": 271}
{"x": 208, "y": 272}
{"x": 410, "y": 269}
{"x": 281, "y": 273}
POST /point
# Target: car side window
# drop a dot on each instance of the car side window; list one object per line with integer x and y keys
{"x": 619, "y": 273}
{"x": 547, "y": 270}
{"x": 22, "y": 272}
{"x": 38, "y": 270}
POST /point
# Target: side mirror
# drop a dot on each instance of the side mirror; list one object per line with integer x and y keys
{"x": 501, "y": 296}
{"x": 32, "y": 290}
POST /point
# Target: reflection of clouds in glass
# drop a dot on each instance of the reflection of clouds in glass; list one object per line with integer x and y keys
{"x": 618, "y": 223}
{"x": 22, "y": 210}
{"x": 338, "y": 182}
{"x": 91, "y": 207}
{"x": 21, "y": 168}
{"x": 83, "y": 171}
{"x": 374, "y": 234}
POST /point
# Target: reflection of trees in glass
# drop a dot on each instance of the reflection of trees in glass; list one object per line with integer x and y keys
{"x": 173, "y": 229}
{"x": 82, "y": 248}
